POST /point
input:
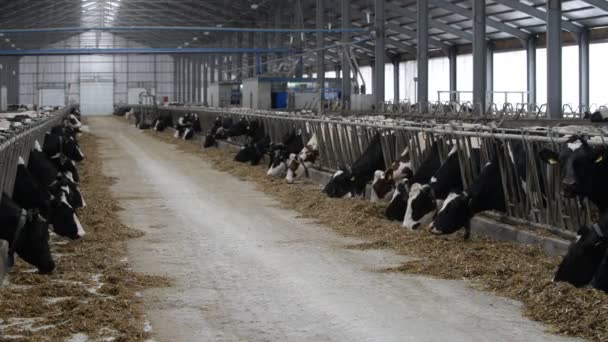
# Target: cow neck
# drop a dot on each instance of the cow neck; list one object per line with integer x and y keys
{"x": 23, "y": 218}
{"x": 598, "y": 230}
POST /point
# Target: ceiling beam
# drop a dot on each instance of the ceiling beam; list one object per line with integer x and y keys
{"x": 535, "y": 12}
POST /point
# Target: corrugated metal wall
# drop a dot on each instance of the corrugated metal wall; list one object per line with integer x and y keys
{"x": 36, "y": 73}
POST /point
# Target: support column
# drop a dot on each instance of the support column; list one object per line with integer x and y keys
{"x": 205, "y": 80}
{"x": 189, "y": 79}
{"x": 250, "y": 70}
{"x": 396, "y": 80}
{"x": 320, "y": 22}
{"x": 197, "y": 79}
{"x": 583, "y": 70}
{"x": 220, "y": 68}
{"x": 346, "y": 70}
{"x": 211, "y": 66}
{"x": 452, "y": 56}
{"x": 531, "y": 70}
{"x": 175, "y": 78}
{"x": 423, "y": 54}
{"x": 479, "y": 56}
{"x": 379, "y": 53}
{"x": 554, "y": 59}
{"x": 490, "y": 74}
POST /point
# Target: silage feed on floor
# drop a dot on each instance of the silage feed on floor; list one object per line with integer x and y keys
{"x": 93, "y": 289}
{"x": 514, "y": 271}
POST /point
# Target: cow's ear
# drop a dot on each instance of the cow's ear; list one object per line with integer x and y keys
{"x": 548, "y": 156}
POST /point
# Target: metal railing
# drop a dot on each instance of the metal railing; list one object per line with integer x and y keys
{"x": 19, "y": 142}
{"x": 536, "y": 201}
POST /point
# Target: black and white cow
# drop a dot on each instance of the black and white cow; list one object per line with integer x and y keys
{"x": 27, "y": 234}
{"x": 219, "y": 131}
{"x": 187, "y": 125}
{"x": 45, "y": 173}
{"x": 164, "y": 121}
{"x": 583, "y": 170}
{"x": 279, "y": 153}
{"x": 352, "y": 181}
{"x": 424, "y": 199}
{"x": 486, "y": 193}
{"x": 581, "y": 265}
{"x": 59, "y": 146}
{"x": 30, "y": 195}
{"x": 298, "y": 164}
{"x": 398, "y": 206}
{"x": 253, "y": 152}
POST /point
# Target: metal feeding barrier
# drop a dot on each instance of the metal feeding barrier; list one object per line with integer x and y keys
{"x": 532, "y": 199}
{"x": 20, "y": 141}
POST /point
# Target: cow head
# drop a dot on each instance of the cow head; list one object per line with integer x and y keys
{"x": 27, "y": 234}
{"x": 421, "y": 207}
{"x": 578, "y": 162}
{"x": 278, "y": 162}
{"x": 383, "y": 185}
{"x": 454, "y": 214}
{"x": 209, "y": 140}
{"x": 32, "y": 244}
{"x": 249, "y": 153}
{"x": 396, "y": 209}
{"x": 342, "y": 184}
{"x": 63, "y": 218}
{"x": 65, "y": 185}
{"x": 584, "y": 256}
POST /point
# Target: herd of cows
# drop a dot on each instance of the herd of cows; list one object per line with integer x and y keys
{"x": 46, "y": 195}
{"x": 433, "y": 195}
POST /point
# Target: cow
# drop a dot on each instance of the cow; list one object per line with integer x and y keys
{"x": 219, "y": 131}
{"x": 352, "y": 181}
{"x": 424, "y": 199}
{"x": 30, "y": 195}
{"x": 583, "y": 170}
{"x": 581, "y": 265}
{"x": 27, "y": 235}
{"x": 59, "y": 146}
{"x": 45, "y": 173}
{"x": 163, "y": 122}
{"x": 253, "y": 152}
{"x": 486, "y": 193}
{"x": 298, "y": 164}
{"x": 398, "y": 205}
{"x": 279, "y": 153}
{"x": 187, "y": 126}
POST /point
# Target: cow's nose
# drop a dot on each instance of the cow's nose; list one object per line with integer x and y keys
{"x": 416, "y": 225}
{"x": 570, "y": 182}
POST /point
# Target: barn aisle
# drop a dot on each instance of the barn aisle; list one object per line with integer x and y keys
{"x": 245, "y": 270}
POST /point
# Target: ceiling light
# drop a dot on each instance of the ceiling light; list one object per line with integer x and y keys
{"x": 186, "y": 43}
{"x": 12, "y": 45}
{"x": 254, "y": 6}
{"x": 8, "y": 40}
{"x": 195, "y": 38}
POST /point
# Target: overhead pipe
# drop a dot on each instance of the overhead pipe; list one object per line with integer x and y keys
{"x": 182, "y": 28}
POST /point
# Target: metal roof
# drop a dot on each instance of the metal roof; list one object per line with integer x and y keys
{"x": 450, "y": 22}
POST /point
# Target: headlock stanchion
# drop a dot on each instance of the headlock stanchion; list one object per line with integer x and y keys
{"x": 18, "y": 142}
{"x": 533, "y": 199}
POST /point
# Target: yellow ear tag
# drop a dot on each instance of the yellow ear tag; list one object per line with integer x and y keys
{"x": 599, "y": 159}
{"x": 553, "y": 161}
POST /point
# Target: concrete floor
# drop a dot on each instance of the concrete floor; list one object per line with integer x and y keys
{"x": 247, "y": 271}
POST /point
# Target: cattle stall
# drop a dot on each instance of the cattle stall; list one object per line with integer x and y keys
{"x": 20, "y": 141}
{"x": 533, "y": 200}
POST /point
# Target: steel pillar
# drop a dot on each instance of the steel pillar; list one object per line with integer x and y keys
{"x": 211, "y": 65}
{"x": 396, "y": 80}
{"x": 554, "y": 59}
{"x": 197, "y": 80}
{"x": 479, "y": 56}
{"x": 423, "y": 53}
{"x": 379, "y": 53}
{"x": 452, "y": 56}
{"x": 205, "y": 81}
{"x": 346, "y": 70}
{"x": 583, "y": 70}
{"x": 531, "y": 70}
{"x": 490, "y": 74}
{"x": 320, "y": 22}
{"x": 175, "y": 78}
